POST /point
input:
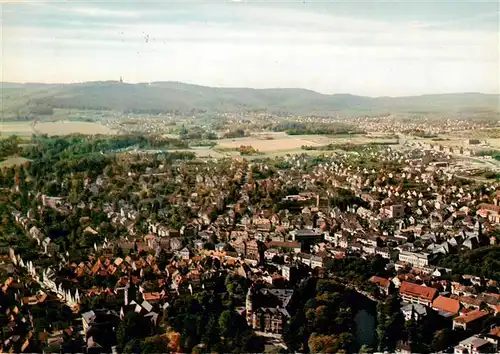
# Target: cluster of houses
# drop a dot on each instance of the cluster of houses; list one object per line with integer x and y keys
{"x": 18, "y": 319}
{"x": 461, "y": 306}
{"x": 410, "y": 214}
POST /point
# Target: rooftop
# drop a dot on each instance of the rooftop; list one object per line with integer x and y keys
{"x": 282, "y": 244}
{"x": 417, "y": 308}
{"x": 474, "y": 341}
{"x": 420, "y": 291}
{"x": 446, "y": 304}
{"x": 471, "y": 316}
{"x": 306, "y": 232}
{"x": 284, "y": 295}
{"x": 380, "y": 281}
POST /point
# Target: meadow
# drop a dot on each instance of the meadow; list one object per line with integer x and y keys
{"x": 71, "y": 127}
{"x": 276, "y": 144}
{"x": 266, "y": 143}
{"x": 269, "y": 142}
{"x": 25, "y": 129}
{"x": 12, "y": 161}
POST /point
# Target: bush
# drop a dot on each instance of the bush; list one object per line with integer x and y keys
{"x": 247, "y": 150}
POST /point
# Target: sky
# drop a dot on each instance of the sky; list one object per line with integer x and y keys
{"x": 390, "y": 48}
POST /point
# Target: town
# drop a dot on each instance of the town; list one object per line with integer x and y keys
{"x": 248, "y": 176}
{"x": 366, "y": 248}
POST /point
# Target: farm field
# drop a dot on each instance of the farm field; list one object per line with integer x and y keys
{"x": 70, "y": 127}
{"x": 275, "y": 143}
{"x": 203, "y": 152}
{"x": 267, "y": 142}
{"x": 345, "y": 138}
{"x": 22, "y": 129}
{"x": 12, "y": 161}
{"x": 26, "y": 128}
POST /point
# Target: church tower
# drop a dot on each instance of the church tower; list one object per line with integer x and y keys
{"x": 249, "y": 304}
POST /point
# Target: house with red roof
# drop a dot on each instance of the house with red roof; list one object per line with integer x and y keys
{"x": 383, "y": 284}
{"x": 470, "y": 320}
{"x": 446, "y": 305}
{"x": 414, "y": 293}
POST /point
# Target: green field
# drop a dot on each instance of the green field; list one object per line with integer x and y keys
{"x": 12, "y": 161}
{"x": 25, "y": 129}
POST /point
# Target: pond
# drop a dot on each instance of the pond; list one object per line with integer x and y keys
{"x": 365, "y": 328}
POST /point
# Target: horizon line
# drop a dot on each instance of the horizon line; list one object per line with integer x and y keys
{"x": 241, "y": 87}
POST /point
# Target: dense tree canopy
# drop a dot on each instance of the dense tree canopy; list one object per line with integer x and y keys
{"x": 483, "y": 262}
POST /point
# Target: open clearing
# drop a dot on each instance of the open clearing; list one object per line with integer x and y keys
{"x": 70, "y": 127}
{"x": 13, "y": 161}
{"x": 280, "y": 142}
{"x": 22, "y": 129}
{"x": 26, "y": 128}
{"x": 203, "y": 152}
{"x": 267, "y": 142}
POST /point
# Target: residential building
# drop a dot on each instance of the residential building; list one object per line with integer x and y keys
{"x": 285, "y": 246}
{"x": 184, "y": 253}
{"x": 248, "y": 248}
{"x": 267, "y": 310}
{"x": 393, "y": 211}
{"x": 474, "y": 345}
{"x": 470, "y": 320}
{"x": 414, "y": 312}
{"x": 446, "y": 305}
{"x": 383, "y": 284}
{"x": 307, "y": 236}
{"x": 414, "y": 293}
{"x": 310, "y": 260}
{"x": 270, "y": 320}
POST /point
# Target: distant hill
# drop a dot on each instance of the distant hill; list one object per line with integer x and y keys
{"x": 158, "y": 97}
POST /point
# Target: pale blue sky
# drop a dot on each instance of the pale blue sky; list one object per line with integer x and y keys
{"x": 369, "y": 48}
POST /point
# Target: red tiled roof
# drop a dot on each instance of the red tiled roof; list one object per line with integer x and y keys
{"x": 380, "y": 281}
{"x": 283, "y": 244}
{"x": 152, "y": 296}
{"x": 465, "y": 310}
{"x": 470, "y": 300}
{"x": 471, "y": 316}
{"x": 420, "y": 291}
{"x": 490, "y": 207}
{"x": 446, "y": 304}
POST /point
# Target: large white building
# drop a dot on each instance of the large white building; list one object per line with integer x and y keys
{"x": 414, "y": 258}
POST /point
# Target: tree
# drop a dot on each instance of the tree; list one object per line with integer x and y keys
{"x": 211, "y": 333}
{"x": 209, "y": 246}
{"x": 365, "y": 349}
{"x": 154, "y": 344}
{"x": 319, "y": 343}
{"x": 228, "y": 323}
{"x": 442, "y": 339}
{"x": 132, "y": 346}
{"x": 390, "y": 323}
{"x": 328, "y": 286}
{"x": 295, "y": 332}
{"x": 131, "y": 327}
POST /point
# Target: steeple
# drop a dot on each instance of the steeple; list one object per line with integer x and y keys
{"x": 249, "y": 304}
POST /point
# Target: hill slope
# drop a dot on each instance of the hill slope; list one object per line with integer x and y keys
{"x": 173, "y": 96}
